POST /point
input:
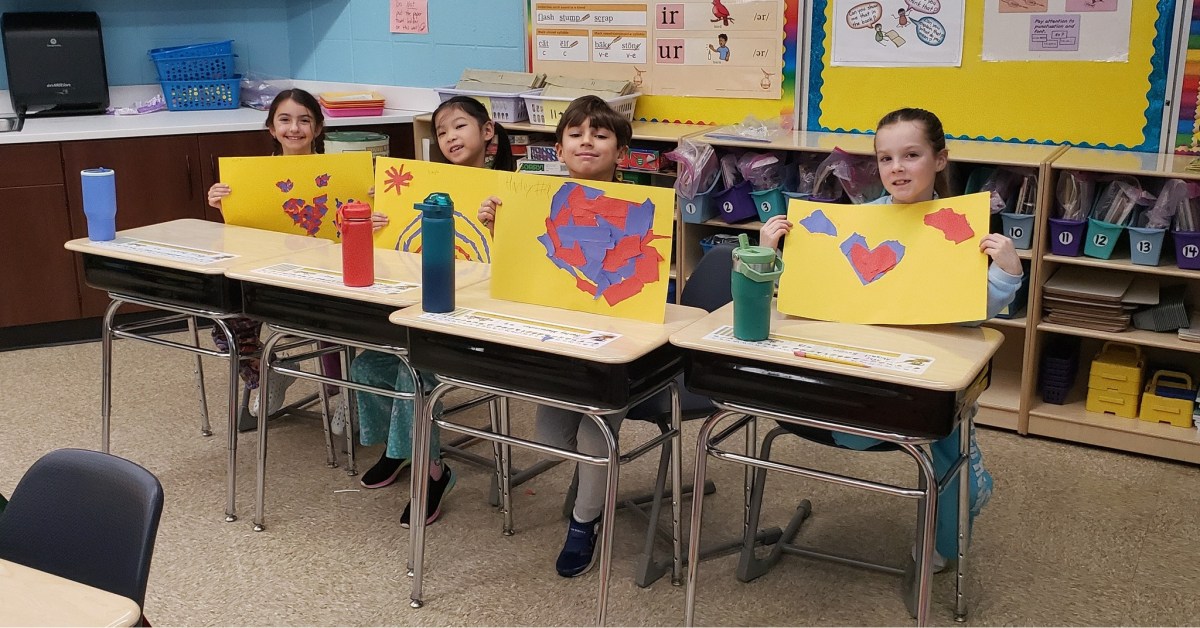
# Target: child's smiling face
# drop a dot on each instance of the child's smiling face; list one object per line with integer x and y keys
{"x": 294, "y": 128}
{"x": 590, "y": 152}
{"x": 462, "y": 140}
{"x": 908, "y": 164}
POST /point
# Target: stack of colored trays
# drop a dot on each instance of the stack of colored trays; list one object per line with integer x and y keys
{"x": 1060, "y": 365}
{"x": 351, "y": 104}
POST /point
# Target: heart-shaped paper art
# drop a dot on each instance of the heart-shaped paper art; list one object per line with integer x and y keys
{"x": 871, "y": 264}
{"x": 603, "y": 242}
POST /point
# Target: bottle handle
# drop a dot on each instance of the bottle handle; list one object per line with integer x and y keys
{"x": 761, "y": 276}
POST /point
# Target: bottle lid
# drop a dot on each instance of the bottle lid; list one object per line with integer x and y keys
{"x": 754, "y": 255}
{"x": 355, "y": 210}
{"x": 436, "y": 205}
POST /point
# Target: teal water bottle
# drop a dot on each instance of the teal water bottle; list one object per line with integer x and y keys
{"x": 755, "y": 269}
{"x": 437, "y": 252}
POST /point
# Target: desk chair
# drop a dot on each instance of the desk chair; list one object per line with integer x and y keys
{"x": 88, "y": 517}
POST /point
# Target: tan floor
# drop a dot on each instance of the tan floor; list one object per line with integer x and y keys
{"x": 1073, "y": 535}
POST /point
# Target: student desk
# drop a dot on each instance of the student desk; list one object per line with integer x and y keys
{"x": 301, "y": 295}
{"x": 919, "y": 385}
{"x": 514, "y": 350}
{"x": 179, "y": 267}
{"x": 31, "y": 597}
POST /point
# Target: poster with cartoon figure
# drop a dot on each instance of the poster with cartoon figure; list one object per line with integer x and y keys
{"x": 294, "y": 193}
{"x": 897, "y": 33}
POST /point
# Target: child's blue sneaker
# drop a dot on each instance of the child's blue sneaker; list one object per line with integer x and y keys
{"x": 579, "y": 552}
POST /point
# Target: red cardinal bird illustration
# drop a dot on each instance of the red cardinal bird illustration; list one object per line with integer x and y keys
{"x": 721, "y": 13}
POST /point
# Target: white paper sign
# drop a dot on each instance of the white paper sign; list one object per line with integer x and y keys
{"x": 897, "y": 33}
{"x": 1056, "y": 30}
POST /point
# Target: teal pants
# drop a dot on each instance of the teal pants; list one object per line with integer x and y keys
{"x": 382, "y": 419}
{"x": 944, "y": 452}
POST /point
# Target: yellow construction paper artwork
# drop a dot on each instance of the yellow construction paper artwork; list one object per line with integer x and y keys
{"x": 594, "y": 247}
{"x": 401, "y": 183}
{"x": 916, "y": 264}
{"x": 580, "y": 245}
{"x": 295, "y": 193}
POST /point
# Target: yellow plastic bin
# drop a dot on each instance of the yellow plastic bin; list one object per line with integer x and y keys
{"x": 1168, "y": 399}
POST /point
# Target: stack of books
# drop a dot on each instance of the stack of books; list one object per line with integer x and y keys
{"x": 351, "y": 104}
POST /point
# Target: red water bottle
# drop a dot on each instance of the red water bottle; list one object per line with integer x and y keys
{"x": 358, "y": 255}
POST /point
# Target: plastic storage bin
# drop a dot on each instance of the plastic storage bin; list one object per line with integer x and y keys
{"x": 1145, "y": 245}
{"x": 195, "y": 68}
{"x": 769, "y": 203}
{"x": 734, "y": 205}
{"x": 199, "y": 95}
{"x": 193, "y": 50}
{"x": 1067, "y": 236}
{"x": 503, "y": 106}
{"x": 1187, "y": 249}
{"x": 702, "y": 208}
{"x": 1102, "y": 238}
{"x": 546, "y": 110}
{"x": 1019, "y": 227}
{"x": 1168, "y": 399}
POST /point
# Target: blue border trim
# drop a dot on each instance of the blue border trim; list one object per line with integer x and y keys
{"x": 1155, "y": 95}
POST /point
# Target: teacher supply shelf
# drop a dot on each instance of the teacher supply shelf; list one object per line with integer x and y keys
{"x": 1168, "y": 269}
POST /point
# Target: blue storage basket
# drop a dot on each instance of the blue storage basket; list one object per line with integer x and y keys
{"x": 193, "y": 50}
{"x": 195, "y": 68}
{"x": 769, "y": 203}
{"x": 200, "y": 95}
{"x": 701, "y": 208}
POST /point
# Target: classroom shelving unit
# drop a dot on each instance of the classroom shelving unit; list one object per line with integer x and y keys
{"x": 1071, "y": 421}
{"x": 1006, "y": 400}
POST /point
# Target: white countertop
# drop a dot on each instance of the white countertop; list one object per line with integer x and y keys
{"x": 402, "y": 105}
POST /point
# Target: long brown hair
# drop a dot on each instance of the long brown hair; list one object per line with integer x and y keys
{"x": 308, "y": 101}
{"x": 934, "y": 134}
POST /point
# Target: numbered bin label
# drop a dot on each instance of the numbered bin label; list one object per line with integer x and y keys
{"x": 1190, "y": 251}
{"x": 690, "y": 208}
{"x": 727, "y": 207}
{"x": 1065, "y": 238}
{"x": 1144, "y": 246}
{"x": 1100, "y": 239}
{"x": 1015, "y": 232}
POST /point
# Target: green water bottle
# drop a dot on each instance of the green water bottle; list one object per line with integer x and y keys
{"x": 755, "y": 269}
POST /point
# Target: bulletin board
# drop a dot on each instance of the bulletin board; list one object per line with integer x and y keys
{"x": 1105, "y": 105}
{"x": 699, "y": 110}
{"x": 1186, "y": 134}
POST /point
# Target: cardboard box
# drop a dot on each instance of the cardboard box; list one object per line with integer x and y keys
{"x": 646, "y": 159}
{"x": 556, "y": 168}
{"x": 542, "y": 151}
{"x": 640, "y": 178}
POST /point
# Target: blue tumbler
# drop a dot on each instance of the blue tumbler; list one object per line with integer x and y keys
{"x": 437, "y": 252}
{"x": 100, "y": 203}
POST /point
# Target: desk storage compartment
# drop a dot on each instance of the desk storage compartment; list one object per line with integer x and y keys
{"x": 537, "y": 372}
{"x": 166, "y": 285}
{"x": 831, "y": 397}
{"x": 321, "y": 314}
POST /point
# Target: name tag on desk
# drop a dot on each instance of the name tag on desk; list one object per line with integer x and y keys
{"x": 328, "y": 277}
{"x": 160, "y": 250}
{"x": 838, "y": 354}
{"x": 524, "y": 327}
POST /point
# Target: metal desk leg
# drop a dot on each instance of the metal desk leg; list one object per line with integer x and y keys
{"x": 693, "y": 560}
{"x": 420, "y": 489}
{"x": 505, "y": 469}
{"x": 231, "y": 471}
{"x": 351, "y": 461}
{"x": 261, "y": 487}
{"x": 106, "y": 373}
{"x": 926, "y": 529}
{"x": 205, "y": 426}
{"x": 326, "y": 411}
{"x": 609, "y": 512}
{"x": 964, "y": 498}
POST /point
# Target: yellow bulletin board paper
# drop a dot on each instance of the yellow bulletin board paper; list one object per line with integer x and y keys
{"x": 294, "y": 194}
{"x": 916, "y": 264}
{"x": 560, "y": 240}
{"x": 401, "y": 183}
{"x": 1115, "y": 105}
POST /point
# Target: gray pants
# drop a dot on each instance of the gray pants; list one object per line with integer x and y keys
{"x": 571, "y": 430}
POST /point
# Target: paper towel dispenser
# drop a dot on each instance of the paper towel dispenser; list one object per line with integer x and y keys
{"x": 55, "y": 63}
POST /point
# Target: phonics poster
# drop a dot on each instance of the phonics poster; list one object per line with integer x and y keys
{"x": 294, "y": 194}
{"x": 897, "y": 33}
{"x": 580, "y": 245}
{"x": 913, "y": 264}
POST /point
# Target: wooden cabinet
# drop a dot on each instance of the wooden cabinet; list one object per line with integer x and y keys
{"x": 1071, "y": 420}
{"x": 38, "y": 283}
{"x": 158, "y": 179}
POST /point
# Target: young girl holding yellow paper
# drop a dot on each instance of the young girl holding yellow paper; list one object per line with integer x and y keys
{"x": 910, "y": 148}
{"x": 464, "y": 131}
{"x": 297, "y": 127}
{"x": 591, "y": 140}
